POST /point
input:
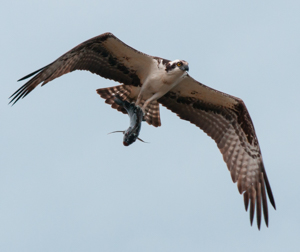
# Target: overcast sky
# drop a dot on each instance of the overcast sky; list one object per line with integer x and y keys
{"x": 66, "y": 185}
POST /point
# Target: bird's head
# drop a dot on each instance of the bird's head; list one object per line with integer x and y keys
{"x": 176, "y": 65}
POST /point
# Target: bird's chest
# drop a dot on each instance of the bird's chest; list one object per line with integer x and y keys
{"x": 160, "y": 81}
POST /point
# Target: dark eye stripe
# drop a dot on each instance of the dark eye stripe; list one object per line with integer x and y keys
{"x": 170, "y": 67}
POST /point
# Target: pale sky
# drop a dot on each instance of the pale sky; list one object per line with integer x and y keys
{"x": 66, "y": 185}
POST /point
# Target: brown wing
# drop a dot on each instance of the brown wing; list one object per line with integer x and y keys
{"x": 226, "y": 120}
{"x": 104, "y": 55}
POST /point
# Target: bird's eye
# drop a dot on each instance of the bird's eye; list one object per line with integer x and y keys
{"x": 179, "y": 64}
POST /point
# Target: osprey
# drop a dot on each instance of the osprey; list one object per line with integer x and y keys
{"x": 148, "y": 81}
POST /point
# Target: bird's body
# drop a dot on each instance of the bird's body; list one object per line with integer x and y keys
{"x": 160, "y": 81}
{"x": 148, "y": 81}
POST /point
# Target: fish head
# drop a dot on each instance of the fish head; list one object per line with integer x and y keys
{"x": 130, "y": 136}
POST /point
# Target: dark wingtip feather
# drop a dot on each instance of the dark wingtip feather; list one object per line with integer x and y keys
{"x": 25, "y": 89}
{"x": 31, "y": 74}
{"x": 258, "y": 206}
{"x": 264, "y": 200}
{"x": 18, "y": 94}
{"x": 246, "y": 200}
{"x": 269, "y": 191}
{"x": 252, "y": 203}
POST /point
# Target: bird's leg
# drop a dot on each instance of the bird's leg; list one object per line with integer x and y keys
{"x": 152, "y": 98}
{"x": 138, "y": 101}
{"x": 137, "y": 104}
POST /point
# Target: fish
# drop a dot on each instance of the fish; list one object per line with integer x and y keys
{"x": 136, "y": 116}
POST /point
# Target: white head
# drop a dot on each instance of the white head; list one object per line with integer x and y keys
{"x": 176, "y": 65}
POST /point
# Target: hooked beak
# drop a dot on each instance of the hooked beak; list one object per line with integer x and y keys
{"x": 185, "y": 68}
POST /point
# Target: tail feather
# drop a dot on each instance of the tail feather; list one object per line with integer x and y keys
{"x": 152, "y": 115}
{"x": 109, "y": 95}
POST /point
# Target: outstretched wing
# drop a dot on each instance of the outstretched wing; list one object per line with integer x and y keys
{"x": 104, "y": 55}
{"x": 226, "y": 120}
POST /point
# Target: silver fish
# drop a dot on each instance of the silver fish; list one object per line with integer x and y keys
{"x": 136, "y": 117}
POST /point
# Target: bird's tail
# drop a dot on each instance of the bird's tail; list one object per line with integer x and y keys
{"x": 152, "y": 115}
{"x": 109, "y": 95}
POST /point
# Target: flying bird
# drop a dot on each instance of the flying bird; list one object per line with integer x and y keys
{"x": 148, "y": 81}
